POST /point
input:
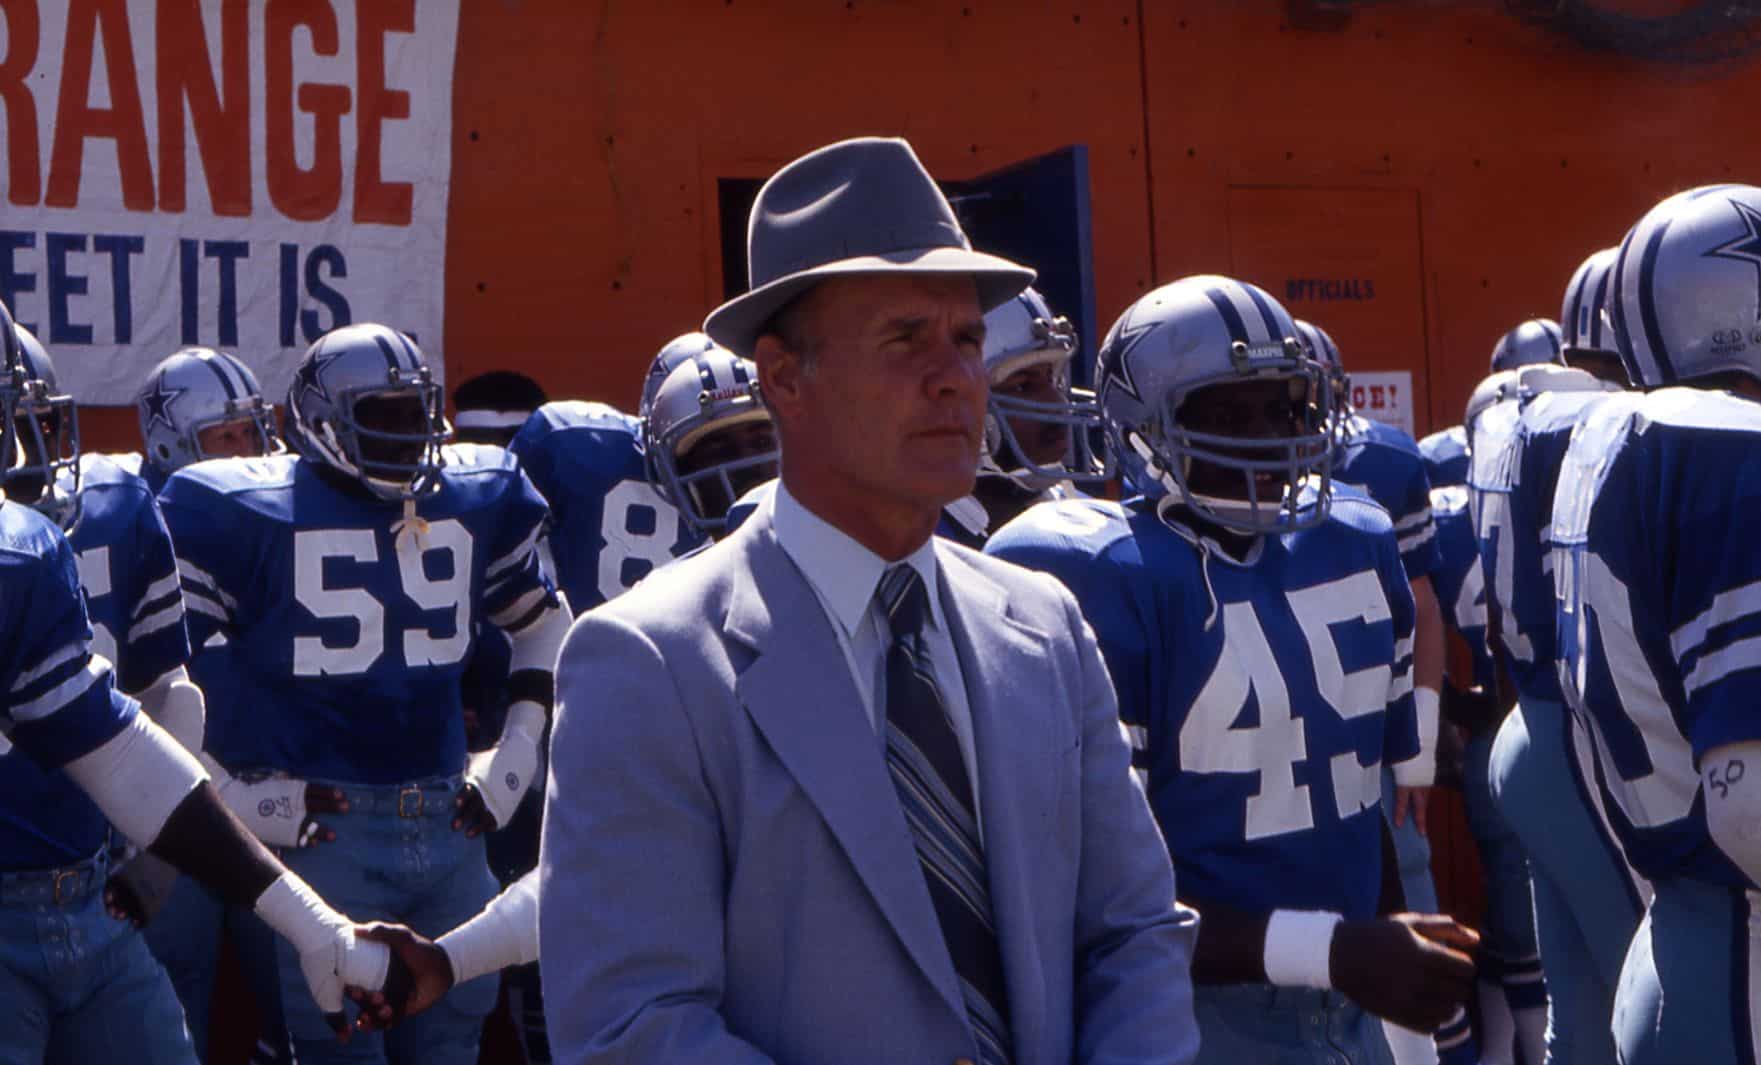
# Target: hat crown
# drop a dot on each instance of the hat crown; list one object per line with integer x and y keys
{"x": 869, "y": 196}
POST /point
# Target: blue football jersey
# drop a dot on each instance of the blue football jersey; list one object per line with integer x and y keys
{"x": 1461, "y": 585}
{"x": 609, "y": 528}
{"x": 1445, "y": 454}
{"x": 1659, "y": 614}
{"x": 1383, "y": 462}
{"x": 1526, "y": 474}
{"x": 61, "y": 702}
{"x": 1262, "y": 697}
{"x": 348, "y": 623}
{"x": 129, "y": 572}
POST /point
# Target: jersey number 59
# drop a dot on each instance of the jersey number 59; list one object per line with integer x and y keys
{"x": 313, "y": 657}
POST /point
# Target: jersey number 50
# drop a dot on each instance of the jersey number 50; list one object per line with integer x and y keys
{"x": 313, "y": 657}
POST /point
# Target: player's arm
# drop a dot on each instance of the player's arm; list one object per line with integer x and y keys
{"x": 521, "y": 600}
{"x": 1413, "y": 969}
{"x": 1416, "y": 535}
{"x": 503, "y": 934}
{"x": 64, "y": 712}
{"x": 1414, "y": 778}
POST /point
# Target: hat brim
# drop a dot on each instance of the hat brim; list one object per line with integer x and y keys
{"x": 736, "y": 324}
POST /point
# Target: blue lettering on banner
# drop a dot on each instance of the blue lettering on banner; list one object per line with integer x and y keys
{"x": 62, "y": 329}
{"x": 119, "y": 248}
{"x": 189, "y": 284}
{"x": 63, "y": 275}
{"x": 229, "y": 252}
{"x": 11, "y": 281}
{"x": 328, "y": 256}
{"x": 1329, "y": 289}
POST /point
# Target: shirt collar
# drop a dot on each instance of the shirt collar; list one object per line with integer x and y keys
{"x": 842, "y": 571}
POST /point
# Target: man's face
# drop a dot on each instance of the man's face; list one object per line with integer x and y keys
{"x": 400, "y": 413}
{"x": 234, "y": 438}
{"x": 726, "y": 446}
{"x": 893, "y": 399}
{"x": 1044, "y": 443}
{"x": 1268, "y": 409}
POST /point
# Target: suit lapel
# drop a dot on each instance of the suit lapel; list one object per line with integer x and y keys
{"x": 799, "y": 694}
{"x": 999, "y": 663}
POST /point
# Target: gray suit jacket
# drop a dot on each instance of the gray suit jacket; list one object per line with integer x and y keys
{"x": 726, "y": 872}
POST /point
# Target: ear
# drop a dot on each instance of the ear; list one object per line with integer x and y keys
{"x": 779, "y": 376}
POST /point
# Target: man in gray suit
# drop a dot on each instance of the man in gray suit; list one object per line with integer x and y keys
{"x": 835, "y": 791}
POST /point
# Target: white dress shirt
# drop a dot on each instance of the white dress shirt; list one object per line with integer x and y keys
{"x": 844, "y": 575}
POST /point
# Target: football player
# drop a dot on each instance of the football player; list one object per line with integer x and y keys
{"x": 197, "y": 404}
{"x": 609, "y": 527}
{"x": 1586, "y": 902}
{"x": 1534, "y": 342}
{"x": 708, "y": 438}
{"x": 1042, "y": 436}
{"x": 1383, "y": 462}
{"x": 1258, "y": 628}
{"x": 1656, "y": 570}
{"x": 1512, "y": 995}
{"x": 350, "y": 580}
{"x": 73, "y": 976}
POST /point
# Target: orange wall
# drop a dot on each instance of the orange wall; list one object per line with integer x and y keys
{"x": 1479, "y": 158}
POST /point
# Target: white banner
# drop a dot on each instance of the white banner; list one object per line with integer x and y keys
{"x": 1384, "y": 396}
{"x": 238, "y": 175}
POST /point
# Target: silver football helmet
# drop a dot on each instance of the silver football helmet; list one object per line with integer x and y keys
{"x": 1196, "y": 334}
{"x": 673, "y": 354}
{"x": 1584, "y": 321}
{"x": 192, "y": 390}
{"x": 699, "y": 468}
{"x": 1022, "y": 335}
{"x": 1687, "y": 283}
{"x": 1321, "y": 346}
{"x": 393, "y": 446}
{"x": 41, "y": 430}
{"x": 1534, "y": 341}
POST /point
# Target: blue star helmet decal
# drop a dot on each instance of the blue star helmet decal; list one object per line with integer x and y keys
{"x": 157, "y": 403}
{"x": 1747, "y": 248}
{"x": 311, "y": 375}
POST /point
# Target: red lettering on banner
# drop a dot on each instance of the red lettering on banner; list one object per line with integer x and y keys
{"x": 76, "y": 120}
{"x": 377, "y": 200}
{"x": 221, "y": 116}
{"x": 302, "y": 193}
{"x": 23, "y": 185}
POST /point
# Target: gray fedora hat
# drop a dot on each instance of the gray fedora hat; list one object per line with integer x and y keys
{"x": 863, "y": 206}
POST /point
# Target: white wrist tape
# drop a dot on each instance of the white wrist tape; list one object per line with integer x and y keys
{"x": 331, "y": 956}
{"x": 138, "y": 777}
{"x": 503, "y": 773}
{"x": 273, "y": 808}
{"x": 1299, "y": 946}
{"x": 1420, "y": 771}
{"x": 504, "y": 934}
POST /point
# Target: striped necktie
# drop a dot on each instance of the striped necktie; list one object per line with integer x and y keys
{"x": 924, "y": 759}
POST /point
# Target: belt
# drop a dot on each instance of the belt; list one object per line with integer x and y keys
{"x": 66, "y": 886}
{"x": 426, "y": 798}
